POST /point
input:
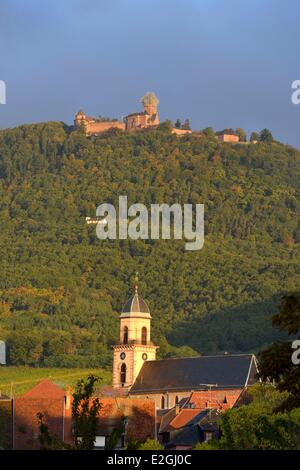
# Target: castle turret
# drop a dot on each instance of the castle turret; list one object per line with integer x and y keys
{"x": 150, "y": 102}
{"x": 80, "y": 119}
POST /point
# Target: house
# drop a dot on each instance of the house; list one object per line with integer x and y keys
{"x": 189, "y": 427}
{"x": 227, "y": 135}
{"x": 50, "y": 400}
{"x": 136, "y": 416}
{"x": 196, "y": 418}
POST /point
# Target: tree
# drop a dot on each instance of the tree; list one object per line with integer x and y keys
{"x": 255, "y": 426}
{"x": 85, "y": 409}
{"x": 276, "y": 361}
{"x": 150, "y": 444}
{"x": 116, "y": 435}
{"x": 47, "y": 440}
{"x": 254, "y": 137}
{"x": 166, "y": 126}
{"x": 209, "y": 132}
{"x": 25, "y": 347}
{"x": 177, "y": 124}
{"x": 265, "y": 136}
{"x": 241, "y": 133}
{"x": 186, "y": 125}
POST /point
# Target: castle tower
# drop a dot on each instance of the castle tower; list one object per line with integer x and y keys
{"x": 80, "y": 119}
{"x": 135, "y": 346}
{"x": 150, "y": 102}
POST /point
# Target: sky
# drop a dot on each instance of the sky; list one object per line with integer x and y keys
{"x": 220, "y": 63}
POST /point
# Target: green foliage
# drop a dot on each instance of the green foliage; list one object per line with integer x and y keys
{"x": 276, "y": 361}
{"x": 165, "y": 126}
{"x": 150, "y": 444}
{"x": 116, "y": 435}
{"x": 254, "y": 137}
{"x": 241, "y": 133}
{"x": 209, "y": 132}
{"x": 255, "y": 426}
{"x": 210, "y": 445}
{"x": 85, "y": 409}
{"x": 47, "y": 440}
{"x": 18, "y": 380}
{"x": 5, "y": 425}
{"x": 62, "y": 288}
{"x": 265, "y": 136}
{"x": 186, "y": 125}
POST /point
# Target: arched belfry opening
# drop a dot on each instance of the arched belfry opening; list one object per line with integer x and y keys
{"x": 123, "y": 374}
{"x": 125, "y": 335}
{"x": 144, "y": 335}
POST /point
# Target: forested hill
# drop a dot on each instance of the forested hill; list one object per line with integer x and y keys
{"x": 61, "y": 288}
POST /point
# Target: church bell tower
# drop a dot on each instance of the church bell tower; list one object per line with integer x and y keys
{"x": 135, "y": 346}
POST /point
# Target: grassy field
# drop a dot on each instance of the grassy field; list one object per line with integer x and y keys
{"x": 17, "y": 380}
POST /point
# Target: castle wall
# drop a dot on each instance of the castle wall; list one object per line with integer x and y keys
{"x": 181, "y": 131}
{"x": 98, "y": 127}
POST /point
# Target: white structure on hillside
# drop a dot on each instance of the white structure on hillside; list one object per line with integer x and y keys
{"x": 2, "y": 353}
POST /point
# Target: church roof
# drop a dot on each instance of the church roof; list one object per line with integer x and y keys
{"x": 135, "y": 307}
{"x": 196, "y": 373}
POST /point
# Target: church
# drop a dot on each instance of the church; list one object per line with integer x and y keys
{"x": 218, "y": 380}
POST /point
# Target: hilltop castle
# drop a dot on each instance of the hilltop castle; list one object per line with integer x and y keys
{"x": 135, "y": 121}
{"x": 148, "y": 118}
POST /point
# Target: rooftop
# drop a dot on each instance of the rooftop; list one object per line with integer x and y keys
{"x": 135, "y": 307}
{"x": 196, "y": 373}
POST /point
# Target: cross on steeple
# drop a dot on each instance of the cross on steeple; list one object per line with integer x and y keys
{"x": 136, "y": 282}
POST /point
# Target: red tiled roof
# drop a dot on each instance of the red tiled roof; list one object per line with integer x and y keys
{"x": 45, "y": 389}
{"x": 183, "y": 417}
{"x": 219, "y": 399}
{"x": 166, "y": 420}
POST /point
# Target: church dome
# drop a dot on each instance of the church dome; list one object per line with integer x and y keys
{"x": 135, "y": 307}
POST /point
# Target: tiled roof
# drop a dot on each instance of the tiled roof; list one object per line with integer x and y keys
{"x": 196, "y": 373}
{"x": 166, "y": 420}
{"x": 135, "y": 305}
{"x": 181, "y": 419}
{"x": 45, "y": 389}
{"x": 193, "y": 431}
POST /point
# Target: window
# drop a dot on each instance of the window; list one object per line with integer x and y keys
{"x": 123, "y": 374}
{"x": 125, "y": 336}
{"x": 144, "y": 335}
{"x": 208, "y": 436}
{"x": 162, "y": 402}
{"x": 100, "y": 442}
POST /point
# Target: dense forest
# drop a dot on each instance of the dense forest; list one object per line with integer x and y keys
{"x": 62, "y": 289}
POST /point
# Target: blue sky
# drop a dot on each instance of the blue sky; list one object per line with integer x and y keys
{"x": 221, "y": 63}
